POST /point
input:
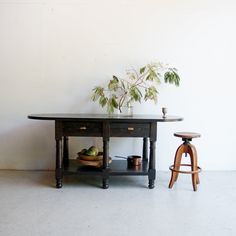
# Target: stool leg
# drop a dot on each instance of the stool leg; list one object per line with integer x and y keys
{"x": 195, "y": 153}
{"x": 184, "y": 149}
{"x": 178, "y": 156}
{"x": 193, "y": 157}
{"x": 198, "y": 180}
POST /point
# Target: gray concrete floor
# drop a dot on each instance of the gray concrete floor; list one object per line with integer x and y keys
{"x": 30, "y": 205}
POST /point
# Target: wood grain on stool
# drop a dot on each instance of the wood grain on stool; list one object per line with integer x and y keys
{"x": 187, "y": 148}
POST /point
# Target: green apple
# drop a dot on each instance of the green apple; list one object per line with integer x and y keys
{"x": 92, "y": 151}
{"x": 83, "y": 151}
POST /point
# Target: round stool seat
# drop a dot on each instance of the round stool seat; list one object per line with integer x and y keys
{"x": 187, "y": 135}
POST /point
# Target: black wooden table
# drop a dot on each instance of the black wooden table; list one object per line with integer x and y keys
{"x": 99, "y": 125}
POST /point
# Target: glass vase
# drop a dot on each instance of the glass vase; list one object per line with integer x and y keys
{"x": 125, "y": 111}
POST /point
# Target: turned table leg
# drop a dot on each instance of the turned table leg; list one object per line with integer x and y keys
{"x": 152, "y": 170}
{"x": 105, "y": 168}
{"x": 65, "y": 152}
{"x": 152, "y": 156}
{"x": 59, "y": 171}
{"x": 145, "y": 149}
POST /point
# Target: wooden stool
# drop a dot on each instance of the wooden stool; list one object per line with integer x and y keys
{"x": 190, "y": 149}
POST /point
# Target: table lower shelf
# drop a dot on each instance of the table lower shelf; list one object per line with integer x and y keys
{"x": 117, "y": 167}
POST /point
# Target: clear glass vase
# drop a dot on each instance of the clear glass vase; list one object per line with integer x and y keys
{"x": 125, "y": 111}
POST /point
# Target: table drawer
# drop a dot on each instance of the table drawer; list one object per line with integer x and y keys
{"x": 73, "y": 128}
{"x": 129, "y": 130}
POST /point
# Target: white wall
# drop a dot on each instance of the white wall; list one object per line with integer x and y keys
{"x": 53, "y": 52}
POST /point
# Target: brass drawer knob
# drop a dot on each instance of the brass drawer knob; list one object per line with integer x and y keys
{"x": 130, "y": 129}
{"x": 83, "y": 128}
